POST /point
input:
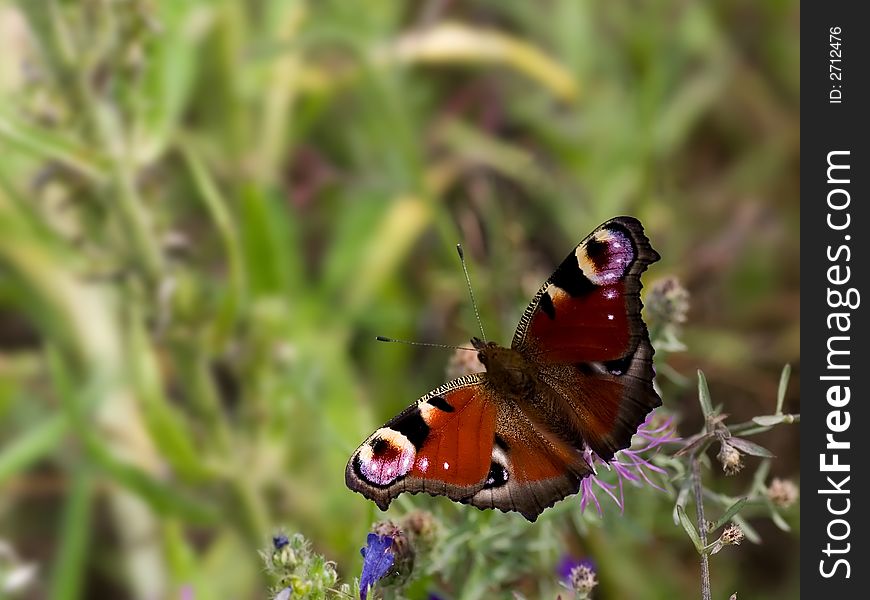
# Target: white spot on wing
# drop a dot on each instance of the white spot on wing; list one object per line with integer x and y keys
{"x": 425, "y": 410}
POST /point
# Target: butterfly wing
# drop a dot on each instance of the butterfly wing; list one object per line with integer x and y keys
{"x": 441, "y": 445}
{"x": 481, "y": 442}
{"x": 463, "y": 441}
{"x": 532, "y": 468}
{"x": 584, "y": 330}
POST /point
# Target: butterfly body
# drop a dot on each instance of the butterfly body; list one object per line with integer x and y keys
{"x": 508, "y": 372}
{"x": 578, "y": 375}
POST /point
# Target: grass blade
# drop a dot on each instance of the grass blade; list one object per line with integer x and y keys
{"x": 69, "y": 570}
{"x": 31, "y": 446}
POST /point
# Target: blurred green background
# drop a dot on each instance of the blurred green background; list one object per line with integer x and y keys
{"x": 208, "y": 209}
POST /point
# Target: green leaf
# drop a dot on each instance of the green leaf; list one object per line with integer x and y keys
{"x": 750, "y": 447}
{"x": 696, "y": 444}
{"x": 748, "y": 530}
{"x": 768, "y": 420}
{"x": 169, "y": 430}
{"x": 779, "y": 521}
{"x": 783, "y": 387}
{"x": 682, "y": 500}
{"x": 760, "y": 476}
{"x": 729, "y": 514}
{"x": 48, "y": 145}
{"x": 704, "y": 395}
{"x": 690, "y": 529}
{"x": 218, "y": 209}
{"x": 163, "y": 497}
{"x": 31, "y": 446}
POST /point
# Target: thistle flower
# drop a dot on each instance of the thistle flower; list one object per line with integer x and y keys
{"x": 583, "y": 579}
{"x": 422, "y": 528}
{"x": 632, "y": 464}
{"x": 666, "y": 305}
{"x": 732, "y": 536}
{"x": 782, "y": 492}
{"x": 578, "y": 575}
{"x": 667, "y": 302}
{"x": 730, "y": 458}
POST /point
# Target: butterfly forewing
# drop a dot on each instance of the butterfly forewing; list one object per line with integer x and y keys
{"x": 441, "y": 444}
{"x": 584, "y": 329}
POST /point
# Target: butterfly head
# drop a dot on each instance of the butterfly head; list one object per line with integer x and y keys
{"x": 506, "y": 368}
{"x": 485, "y": 350}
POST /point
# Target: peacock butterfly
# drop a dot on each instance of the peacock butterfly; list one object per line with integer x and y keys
{"x": 579, "y": 372}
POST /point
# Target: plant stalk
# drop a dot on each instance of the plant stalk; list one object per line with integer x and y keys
{"x": 706, "y": 594}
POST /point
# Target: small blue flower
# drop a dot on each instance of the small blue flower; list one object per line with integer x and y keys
{"x": 378, "y": 557}
{"x": 279, "y": 541}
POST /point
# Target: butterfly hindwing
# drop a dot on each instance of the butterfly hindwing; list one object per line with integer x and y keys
{"x": 532, "y": 468}
{"x": 584, "y": 329}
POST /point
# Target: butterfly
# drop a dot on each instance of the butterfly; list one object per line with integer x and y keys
{"x": 578, "y": 373}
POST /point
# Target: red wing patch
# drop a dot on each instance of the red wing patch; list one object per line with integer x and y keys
{"x": 593, "y": 326}
{"x": 442, "y": 444}
{"x": 457, "y": 450}
{"x": 589, "y": 308}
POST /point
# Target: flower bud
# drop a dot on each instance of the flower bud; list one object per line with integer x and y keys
{"x": 402, "y": 550}
{"x": 583, "y": 579}
{"x": 422, "y": 529}
{"x": 782, "y": 492}
{"x": 731, "y": 459}
{"x": 667, "y": 302}
{"x": 732, "y": 536}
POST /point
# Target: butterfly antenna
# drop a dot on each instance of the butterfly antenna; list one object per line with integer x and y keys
{"x": 382, "y": 338}
{"x": 470, "y": 291}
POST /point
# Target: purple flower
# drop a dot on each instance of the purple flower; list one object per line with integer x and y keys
{"x": 631, "y": 464}
{"x": 377, "y": 559}
{"x": 568, "y": 563}
{"x": 279, "y": 541}
{"x": 578, "y": 575}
